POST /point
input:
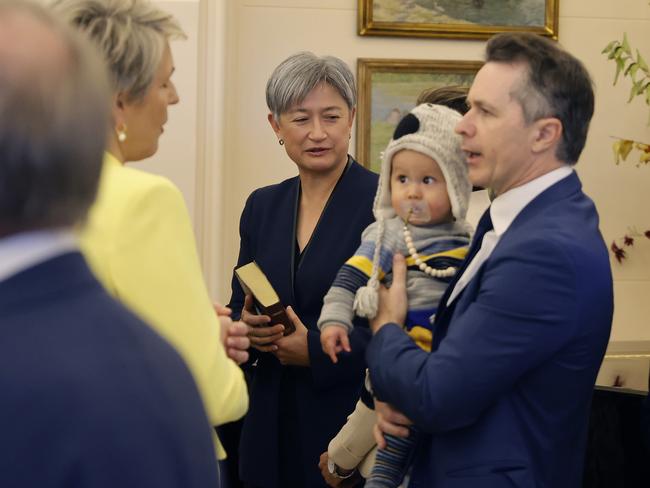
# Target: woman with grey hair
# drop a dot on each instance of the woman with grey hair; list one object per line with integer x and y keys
{"x": 299, "y": 232}
{"x": 139, "y": 239}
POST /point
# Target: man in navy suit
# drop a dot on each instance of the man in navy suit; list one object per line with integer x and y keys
{"x": 504, "y": 396}
{"x": 89, "y": 395}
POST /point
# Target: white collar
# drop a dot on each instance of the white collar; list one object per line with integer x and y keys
{"x": 26, "y": 249}
{"x": 505, "y": 208}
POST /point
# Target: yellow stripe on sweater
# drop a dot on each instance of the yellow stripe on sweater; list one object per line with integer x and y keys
{"x": 458, "y": 253}
{"x": 363, "y": 264}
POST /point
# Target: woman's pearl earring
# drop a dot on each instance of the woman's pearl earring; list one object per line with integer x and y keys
{"x": 121, "y": 132}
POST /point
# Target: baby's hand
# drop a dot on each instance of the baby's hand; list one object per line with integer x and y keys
{"x": 334, "y": 339}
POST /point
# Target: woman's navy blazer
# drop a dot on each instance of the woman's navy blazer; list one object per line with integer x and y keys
{"x": 295, "y": 411}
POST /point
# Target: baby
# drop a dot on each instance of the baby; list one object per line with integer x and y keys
{"x": 420, "y": 210}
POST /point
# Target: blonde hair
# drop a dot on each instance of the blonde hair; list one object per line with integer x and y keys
{"x": 131, "y": 34}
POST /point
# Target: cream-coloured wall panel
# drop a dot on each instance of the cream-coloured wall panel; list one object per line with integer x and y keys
{"x": 632, "y": 311}
{"x": 605, "y": 9}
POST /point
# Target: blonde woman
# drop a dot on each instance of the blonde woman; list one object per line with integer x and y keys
{"x": 139, "y": 238}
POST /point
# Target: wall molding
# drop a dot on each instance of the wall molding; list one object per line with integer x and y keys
{"x": 210, "y": 140}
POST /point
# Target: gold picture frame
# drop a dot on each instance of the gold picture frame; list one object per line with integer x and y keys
{"x": 389, "y": 88}
{"x": 457, "y": 19}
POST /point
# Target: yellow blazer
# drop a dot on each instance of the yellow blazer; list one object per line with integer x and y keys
{"x": 140, "y": 244}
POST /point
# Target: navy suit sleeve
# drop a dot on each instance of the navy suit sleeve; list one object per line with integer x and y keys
{"x": 524, "y": 312}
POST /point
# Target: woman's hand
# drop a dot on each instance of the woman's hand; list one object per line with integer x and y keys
{"x": 292, "y": 350}
{"x": 261, "y": 335}
{"x": 389, "y": 421}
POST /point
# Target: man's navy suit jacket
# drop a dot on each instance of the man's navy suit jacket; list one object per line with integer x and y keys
{"x": 90, "y": 396}
{"x": 504, "y": 397}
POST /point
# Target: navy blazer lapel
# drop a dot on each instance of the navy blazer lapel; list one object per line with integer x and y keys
{"x": 329, "y": 211}
{"x": 287, "y": 248}
{"x": 444, "y": 312}
{"x": 294, "y": 241}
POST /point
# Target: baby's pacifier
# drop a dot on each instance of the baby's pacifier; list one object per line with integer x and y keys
{"x": 415, "y": 211}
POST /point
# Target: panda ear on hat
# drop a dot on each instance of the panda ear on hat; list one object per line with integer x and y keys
{"x": 409, "y": 124}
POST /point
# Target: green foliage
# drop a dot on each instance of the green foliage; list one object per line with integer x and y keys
{"x": 636, "y": 69}
{"x": 631, "y": 66}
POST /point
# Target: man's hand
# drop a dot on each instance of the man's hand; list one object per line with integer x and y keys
{"x": 334, "y": 339}
{"x": 237, "y": 342}
{"x": 332, "y": 480}
{"x": 222, "y": 311}
{"x": 392, "y": 301}
{"x": 261, "y": 335}
{"x": 233, "y": 335}
{"x": 389, "y": 421}
{"x": 292, "y": 350}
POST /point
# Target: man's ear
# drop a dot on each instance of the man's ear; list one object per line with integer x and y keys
{"x": 548, "y": 133}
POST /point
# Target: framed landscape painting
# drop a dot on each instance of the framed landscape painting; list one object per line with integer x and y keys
{"x": 389, "y": 88}
{"x": 465, "y": 19}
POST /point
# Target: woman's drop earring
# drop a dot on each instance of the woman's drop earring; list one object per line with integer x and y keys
{"x": 281, "y": 142}
{"x": 121, "y": 132}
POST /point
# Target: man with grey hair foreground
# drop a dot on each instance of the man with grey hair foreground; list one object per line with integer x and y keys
{"x": 91, "y": 396}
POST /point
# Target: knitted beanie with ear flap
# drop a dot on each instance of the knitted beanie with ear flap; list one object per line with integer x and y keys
{"x": 427, "y": 129}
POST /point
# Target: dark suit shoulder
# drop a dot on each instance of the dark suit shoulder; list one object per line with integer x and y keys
{"x": 94, "y": 383}
{"x": 364, "y": 179}
{"x": 364, "y": 174}
{"x": 277, "y": 189}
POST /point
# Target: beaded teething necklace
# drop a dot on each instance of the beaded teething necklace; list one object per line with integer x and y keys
{"x": 424, "y": 267}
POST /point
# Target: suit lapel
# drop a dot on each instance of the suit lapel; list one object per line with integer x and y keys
{"x": 444, "y": 311}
